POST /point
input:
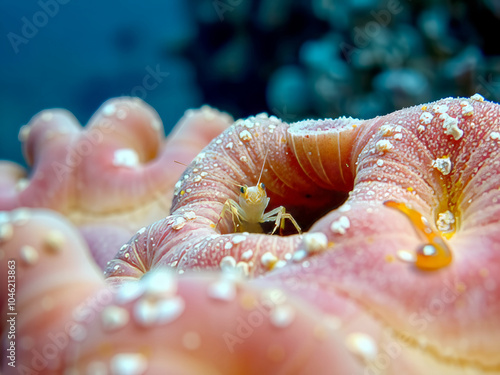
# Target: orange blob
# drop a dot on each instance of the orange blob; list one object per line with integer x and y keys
{"x": 434, "y": 254}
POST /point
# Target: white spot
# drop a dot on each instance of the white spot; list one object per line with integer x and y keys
{"x": 421, "y": 128}
{"x": 191, "y": 340}
{"x": 315, "y": 242}
{"x": 148, "y": 312}
{"x": 197, "y": 179}
{"x": 114, "y": 318}
{"x": 340, "y": 225}
{"x": 47, "y": 116}
{"x": 29, "y": 255}
{"x": 282, "y": 316}
{"x": 227, "y": 263}
{"x": 262, "y": 115}
{"x": 218, "y": 141}
{"x": 387, "y": 130}
{"x": 177, "y": 187}
{"x": 345, "y": 207}
{"x": 170, "y": 309}
{"x": 178, "y": 223}
{"x": 20, "y": 216}
{"x": 248, "y": 123}
{"x": 299, "y": 255}
{"x": 280, "y": 263}
{"x": 128, "y": 364}
{"x": 426, "y": 118}
{"x": 383, "y": 145}
{"x": 467, "y": 108}
{"x": 156, "y": 124}
{"x": 24, "y": 133}
{"x": 429, "y": 250}
{"x": 141, "y": 231}
{"x": 200, "y": 156}
{"x": 203, "y": 174}
{"x": 398, "y": 136}
{"x": 129, "y": 291}
{"x": 54, "y": 240}
{"x": 440, "y": 108}
{"x": 228, "y": 245}
{"x": 125, "y": 157}
{"x": 380, "y": 162}
{"x": 477, "y": 97}
{"x": 189, "y": 215}
{"x": 443, "y": 165}
{"x": 208, "y": 113}
{"x": 238, "y": 238}
{"x": 247, "y": 255}
{"x": 229, "y": 146}
{"x": 243, "y": 158}
{"x": 495, "y": 135}
{"x": 445, "y": 220}
{"x": 362, "y": 345}
{"x": 109, "y": 110}
{"x": 159, "y": 282}
{"x": 22, "y": 184}
{"x": 242, "y": 268}
{"x": 268, "y": 260}
{"x": 406, "y": 256}
{"x": 450, "y": 125}
{"x": 6, "y": 232}
{"x": 222, "y": 290}
{"x": 245, "y": 135}
{"x": 4, "y": 217}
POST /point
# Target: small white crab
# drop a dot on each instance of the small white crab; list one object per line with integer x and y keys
{"x": 249, "y": 212}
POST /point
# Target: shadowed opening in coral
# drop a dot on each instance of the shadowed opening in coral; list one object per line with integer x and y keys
{"x": 305, "y": 209}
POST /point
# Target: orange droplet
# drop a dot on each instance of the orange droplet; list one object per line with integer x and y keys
{"x": 434, "y": 254}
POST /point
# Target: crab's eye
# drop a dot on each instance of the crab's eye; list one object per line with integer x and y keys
{"x": 243, "y": 190}
{"x": 262, "y": 186}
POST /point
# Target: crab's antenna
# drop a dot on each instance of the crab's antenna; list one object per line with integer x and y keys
{"x": 181, "y": 163}
{"x": 263, "y": 165}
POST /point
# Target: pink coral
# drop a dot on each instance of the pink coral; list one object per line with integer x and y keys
{"x": 352, "y": 295}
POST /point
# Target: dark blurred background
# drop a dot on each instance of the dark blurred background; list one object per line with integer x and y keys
{"x": 291, "y": 58}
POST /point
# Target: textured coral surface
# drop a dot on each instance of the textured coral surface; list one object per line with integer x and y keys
{"x": 397, "y": 270}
